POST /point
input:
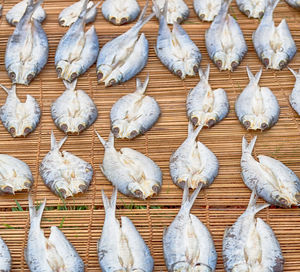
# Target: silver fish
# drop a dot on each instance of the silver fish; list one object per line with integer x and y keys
{"x": 188, "y": 245}
{"x": 64, "y": 173}
{"x": 177, "y": 10}
{"x": 175, "y": 49}
{"x": 120, "y": 12}
{"x": 133, "y": 173}
{"x": 207, "y": 10}
{"x": 274, "y": 45}
{"x": 225, "y": 41}
{"x": 270, "y": 178}
{"x": 294, "y": 3}
{"x": 295, "y": 95}
{"x": 257, "y": 107}
{"x": 125, "y": 250}
{"x": 252, "y": 8}
{"x": 250, "y": 244}
{"x": 27, "y": 49}
{"x": 205, "y": 106}
{"x": 14, "y": 15}
{"x": 74, "y": 111}
{"x": 77, "y": 50}
{"x": 193, "y": 162}
{"x": 15, "y": 175}
{"x": 135, "y": 113}
{"x": 55, "y": 253}
{"x": 70, "y": 14}
{"x": 5, "y": 258}
{"x": 19, "y": 118}
{"x": 125, "y": 56}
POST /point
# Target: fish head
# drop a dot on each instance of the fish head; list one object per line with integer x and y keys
{"x": 71, "y": 125}
{"x": 120, "y": 19}
{"x": 114, "y": 78}
{"x": 243, "y": 267}
{"x": 208, "y": 119}
{"x": 144, "y": 188}
{"x": 220, "y": 60}
{"x": 103, "y": 71}
{"x": 179, "y": 69}
{"x": 191, "y": 67}
{"x": 123, "y": 129}
{"x": 21, "y": 127}
{"x": 181, "y": 266}
{"x": 66, "y": 71}
{"x": 267, "y": 57}
{"x": 253, "y": 122}
{"x": 280, "y": 60}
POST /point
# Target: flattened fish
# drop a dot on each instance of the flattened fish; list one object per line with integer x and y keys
{"x": 206, "y": 107}
{"x": 133, "y": 173}
{"x": 55, "y": 253}
{"x": 19, "y": 118}
{"x": 274, "y": 45}
{"x": 120, "y": 12}
{"x": 77, "y": 50}
{"x": 193, "y": 162}
{"x": 294, "y": 3}
{"x": 177, "y": 10}
{"x": 257, "y": 107}
{"x": 15, "y": 175}
{"x": 27, "y": 49}
{"x": 295, "y": 95}
{"x": 5, "y": 258}
{"x": 14, "y": 15}
{"x": 250, "y": 244}
{"x": 252, "y": 8}
{"x": 175, "y": 49}
{"x": 207, "y": 10}
{"x": 225, "y": 41}
{"x": 64, "y": 173}
{"x": 135, "y": 113}
{"x": 270, "y": 178}
{"x": 188, "y": 245}
{"x": 125, "y": 56}
{"x": 74, "y": 111}
{"x": 125, "y": 250}
{"x": 70, "y": 14}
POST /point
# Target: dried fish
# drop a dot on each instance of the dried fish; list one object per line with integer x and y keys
{"x": 225, "y": 41}
{"x": 207, "y": 10}
{"x": 64, "y": 173}
{"x": 15, "y": 175}
{"x": 19, "y": 118}
{"x": 274, "y": 45}
{"x": 125, "y": 56}
{"x": 257, "y": 107}
{"x": 295, "y": 95}
{"x": 175, "y": 49}
{"x": 294, "y": 3}
{"x": 5, "y": 258}
{"x": 188, "y": 245}
{"x": 250, "y": 244}
{"x": 14, "y": 15}
{"x": 70, "y": 14}
{"x": 77, "y": 51}
{"x": 27, "y": 49}
{"x": 193, "y": 162}
{"x": 270, "y": 178}
{"x": 252, "y": 8}
{"x": 120, "y": 12}
{"x": 74, "y": 111}
{"x": 135, "y": 113}
{"x": 125, "y": 250}
{"x": 133, "y": 173}
{"x": 205, "y": 106}
{"x": 55, "y": 253}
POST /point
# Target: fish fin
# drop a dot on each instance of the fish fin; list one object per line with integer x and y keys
{"x": 8, "y": 91}
{"x": 102, "y": 141}
{"x": 110, "y": 205}
{"x": 35, "y": 215}
{"x": 70, "y": 86}
{"x": 101, "y": 168}
{"x": 255, "y": 78}
{"x": 83, "y": 11}
{"x": 96, "y": 5}
{"x": 252, "y": 203}
{"x": 207, "y": 72}
{"x": 225, "y": 6}
{"x": 55, "y": 144}
{"x": 292, "y": 71}
{"x": 185, "y": 195}
{"x": 226, "y": 231}
{"x": 258, "y": 75}
{"x": 144, "y": 10}
{"x": 187, "y": 201}
{"x": 271, "y": 5}
{"x": 194, "y": 133}
{"x": 142, "y": 20}
{"x": 141, "y": 88}
{"x": 158, "y": 12}
{"x": 248, "y": 147}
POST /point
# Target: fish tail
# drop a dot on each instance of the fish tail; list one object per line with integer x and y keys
{"x": 110, "y": 205}
{"x": 255, "y": 79}
{"x": 204, "y": 75}
{"x": 252, "y": 203}
{"x": 158, "y": 12}
{"x": 102, "y": 141}
{"x": 141, "y": 87}
{"x": 9, "y": 91}
{"x": 35, "y": 215}
{"x": 193, "y": 133}
{"x": 31, "y": 7}
{"x": 54, "y": 143}
{"x": 271, "y": 5}
{"x": 188, "y": 202}
{"x": 142, "y": 20}
{"x": 70, "y": 86}
{"x": 83, "y": 12}
{"x": 248, "y": 148}
{"x": 224, "y": 7}
{"x": 292, "y": 71}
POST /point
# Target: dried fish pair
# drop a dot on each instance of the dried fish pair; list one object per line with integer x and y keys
{"x": 14, "y": 15}
{"x": 207, "y": 10}
{"x": 295, "y": 95}
{"x": 5, "y": 258}
{"x": 224, "y": 40}
{"x": 294, "y": 3}
{"x": 64, "y": 173}
{"x": 77, "y": 50}
{"x": 135, "y": 113}
{"x": 121, "y": 248}
{"x": 133, "y": 173}
{"x": 206, "y": 107}
{"x": 120, "y": 12}
{"x": 70, "y": 14}
{"x": 253, "y": 8}
{"x": 55, "y": 253}
{"x": 257, "y": 107}
{"x": 125, "y": 56}
{"x": 188, "y": 245}
{"x": 270, "y": 178}
{"x": 175, "y": 49}
{"x": 274, "y": 45}
{"x": 27, "y": 49}
{"x": 193, "y": 163}
{"x": 250, "y": 244}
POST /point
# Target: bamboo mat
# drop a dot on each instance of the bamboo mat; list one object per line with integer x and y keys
{"x": 217, "y": 207}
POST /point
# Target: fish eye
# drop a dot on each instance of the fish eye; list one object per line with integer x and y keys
{"x": 202, "y": 16}
{"x": 112, "y": 82}
{"x": 12, "y": 131}
{"x": 194, "y": 120}
{"x": 234, "y": 65}
{"x": 30, "y": 77}
{"x": 59, "y": 70}
{"x": 124, "y": 20}
{"x": 138, "y": 193}
{"x": 261, "y": 14}
{"x": 282, "y": 64}
{"x": 61, "y": 21}
{"x": 64, "y": 127}
{"x": 264, "y": 126}
{"x": 178, "y": 73}
{"x": 219, "y": 64}
{"x": 12, "y": 75}
{"x": 73, "y": 76}
{"x": 113, "y": 20}
{"x": 81, "y": 127}
{"x": 266, "y": 61}
{"x": 133, "y": 134}
{"x": 115, "y": 131}
{"x": 27, "y": 130}
{"x": 247, "y": 124}
{"x": 179, "y": 20}
{"x": 195, "y": 69}
{"x": 247, "y": 12}
{"x": 99, "y": 76}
